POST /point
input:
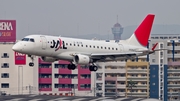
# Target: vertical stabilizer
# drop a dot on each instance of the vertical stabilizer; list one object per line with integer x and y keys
{"x": 142, "y": 33}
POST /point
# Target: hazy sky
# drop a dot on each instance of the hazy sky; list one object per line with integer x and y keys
{"x": 77, "y": 17}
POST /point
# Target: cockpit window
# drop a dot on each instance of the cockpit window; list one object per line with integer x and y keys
{"x": 25, "y": 39}
{"x": 28, "y": 39}
{"x": 32, "y": 40}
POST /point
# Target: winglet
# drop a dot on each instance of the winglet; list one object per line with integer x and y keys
{"x": 154, "y": 46}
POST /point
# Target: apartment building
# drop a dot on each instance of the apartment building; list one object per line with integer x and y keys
{"x": 165, "y": 65}
{"x": 56, "y": 78}
{"x": 112, "y": 78}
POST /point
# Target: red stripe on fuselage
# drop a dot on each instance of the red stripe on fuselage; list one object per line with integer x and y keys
{"x": 60, "y": 44}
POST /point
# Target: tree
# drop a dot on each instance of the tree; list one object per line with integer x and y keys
{"x": 130, "y": 85}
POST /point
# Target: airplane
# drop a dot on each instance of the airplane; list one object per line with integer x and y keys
{"x": 87, "y": 52}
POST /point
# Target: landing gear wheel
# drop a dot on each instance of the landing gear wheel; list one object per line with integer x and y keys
{"x": 31, "y": 64}
{"x": 71, "y": 66}
{"x": 93, "y": 68}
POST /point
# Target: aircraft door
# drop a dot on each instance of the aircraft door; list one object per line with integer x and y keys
{"x": 121, "y": 48}
{"x": 44, "y": 42}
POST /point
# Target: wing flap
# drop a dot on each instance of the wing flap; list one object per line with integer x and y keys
{"x": 114, "y": 56}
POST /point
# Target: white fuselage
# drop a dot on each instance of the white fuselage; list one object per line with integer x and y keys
{"x": 43, "y": 46}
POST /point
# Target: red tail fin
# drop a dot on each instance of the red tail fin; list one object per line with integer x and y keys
{"x": 143, "y": 31}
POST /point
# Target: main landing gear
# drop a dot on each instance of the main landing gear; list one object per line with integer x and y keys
{"x": 93, "y": 68}
{"x": 71, "y": 66}
{"x": 31, "y": 64}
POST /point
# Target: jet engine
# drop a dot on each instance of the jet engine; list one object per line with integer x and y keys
{"x": 48, "y": 59}
{"x": 81, "y": 59}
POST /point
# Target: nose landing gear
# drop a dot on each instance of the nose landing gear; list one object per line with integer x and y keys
{"x": 31, "y": 64}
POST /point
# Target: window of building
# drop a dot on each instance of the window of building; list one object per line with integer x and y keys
{"x": 161, "y": 61}
{"x": 4, "y": 85}
{"x": 153, "y": 60}
{"x": 5, "y": 55}
{"x": 85, "y": 86}
{"x": 153, "y": 76}
{"x": 5, "y": 65}
{"x": 153, "y": 83}
{"x": 161, "y": 45}
{"x": 4, "y": 75}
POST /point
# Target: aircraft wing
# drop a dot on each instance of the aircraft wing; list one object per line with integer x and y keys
{"x": 114, "y": 56}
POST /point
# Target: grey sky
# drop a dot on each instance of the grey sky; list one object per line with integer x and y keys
{"x": 77, "y": 17}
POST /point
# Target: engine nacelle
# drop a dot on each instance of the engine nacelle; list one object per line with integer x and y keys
{"x": 48, "y": 59}
{"x": 81, "y": 59}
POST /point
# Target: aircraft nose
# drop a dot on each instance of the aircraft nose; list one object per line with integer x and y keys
{"x": 16, "y": 48}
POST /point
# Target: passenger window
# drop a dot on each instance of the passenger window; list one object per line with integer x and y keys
{"x": 97, "y": 46}
{"x": 104, "y": 47}
{"x": 74, "y": 44}
{"x": 86, "y": 45}
{"x": 32, "y": 40}
{"x": 94, "y": 46}
{"x": 116, "y": 49}
{"x": 109, "y": 48}
{"x": 81, "y": 45}
{"x": 101, "y": 47}
{"x": 70, "y": 44}
{"x": 112, "y": 48}
{"x": 90, "y": 46}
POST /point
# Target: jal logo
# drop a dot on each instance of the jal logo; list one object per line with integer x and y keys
{"x": 19, "y": 54}
{"x": 58, "y": 44}
{"x": 6, "y": 26}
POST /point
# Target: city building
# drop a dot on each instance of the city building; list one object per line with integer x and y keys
{"x": 138, "y": 72}
{"x": 165, "y": 66}
{"x": 16, "y": 75}
{"x": 112, "y": 78}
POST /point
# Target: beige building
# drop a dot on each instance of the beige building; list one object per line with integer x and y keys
{"x": 138, "y": 72}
